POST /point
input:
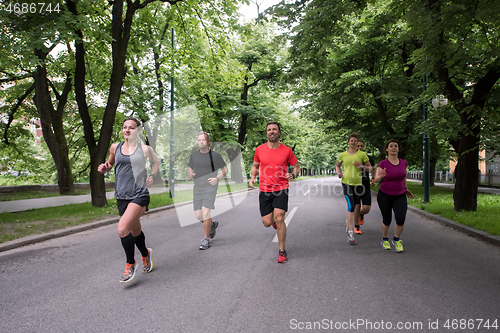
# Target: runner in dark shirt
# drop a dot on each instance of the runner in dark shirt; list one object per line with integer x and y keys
{"x": 366, "y": 197}
{"x": 203, "y": 167}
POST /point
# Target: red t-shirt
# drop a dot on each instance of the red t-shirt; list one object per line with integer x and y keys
{"x": 273, "y": 166}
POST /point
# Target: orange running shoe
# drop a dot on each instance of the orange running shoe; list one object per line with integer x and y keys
{"x": 129, "y": 273}
{"x": 357, "y": 229}
{"x": 362, "y": 220}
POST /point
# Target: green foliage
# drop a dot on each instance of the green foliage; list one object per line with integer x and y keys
{"x": 360, "y": 65}
{"x": 352, "y": 71}
{"x": 343, "y": 67}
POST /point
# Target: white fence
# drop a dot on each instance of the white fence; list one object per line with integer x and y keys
{"x": 490, "y": 178}
{"x": 439, "y": 176}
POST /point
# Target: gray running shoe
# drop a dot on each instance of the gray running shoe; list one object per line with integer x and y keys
{"x": 148, "y": 261}
{"x": 215, "y": 224}
{"x": 205, "y": 244}
{"x": 350, "y": 236}
{"x": 129, "y": 273}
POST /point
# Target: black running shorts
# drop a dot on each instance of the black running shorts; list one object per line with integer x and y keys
{"x": 270, "y": 200}
{"x": 352, "y": 195}
{"x": 123, "y": 204}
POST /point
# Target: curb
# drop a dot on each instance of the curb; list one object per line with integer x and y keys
{"x": 469, "y": 231}
{"x": 33, "y": 239}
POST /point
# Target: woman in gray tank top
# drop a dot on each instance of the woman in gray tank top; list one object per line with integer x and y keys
{"x": 131, "y": 192}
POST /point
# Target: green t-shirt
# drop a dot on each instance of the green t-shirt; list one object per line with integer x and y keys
{"x": 352, "y": 175}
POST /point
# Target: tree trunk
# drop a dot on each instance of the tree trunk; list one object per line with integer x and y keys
{"x": 243, "y": 129}
{"x": 235, "y": 158}
{"x": 465, "y": 192}
{"x": 121, "y": 34}
{"x": 466, "y": 171}
{"x": 97, "y": 156}
{"x": 434, "y": 148}
{"x": 52, "y": 126}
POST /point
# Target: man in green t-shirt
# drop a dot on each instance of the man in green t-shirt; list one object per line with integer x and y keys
{"x": 355, "y": 162}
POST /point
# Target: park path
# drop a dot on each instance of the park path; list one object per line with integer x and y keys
{"x": 27, "y": 204}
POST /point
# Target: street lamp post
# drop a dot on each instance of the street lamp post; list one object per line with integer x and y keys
{"x": 171, "y": 182}
{"x": 436, "y": 102}
{"x": 426, "y": 156}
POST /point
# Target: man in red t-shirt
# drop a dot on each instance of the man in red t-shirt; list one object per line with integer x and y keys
{"x": 273, "y": 158}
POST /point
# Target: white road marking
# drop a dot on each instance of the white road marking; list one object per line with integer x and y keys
{"x": 310, "y": 190}
{"x": 287, "y": 221}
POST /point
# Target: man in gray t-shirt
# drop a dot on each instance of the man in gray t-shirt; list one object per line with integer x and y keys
{"x": 203, "y": 167}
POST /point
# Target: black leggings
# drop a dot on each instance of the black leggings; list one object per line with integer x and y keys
{"x": 387, "y": 203}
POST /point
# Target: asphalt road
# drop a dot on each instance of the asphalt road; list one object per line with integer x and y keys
{"x": 70, "y": 284}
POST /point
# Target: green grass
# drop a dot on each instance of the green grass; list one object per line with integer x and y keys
{"x": 35, "y": 195}
{"x": 36, "y": 221}
{"x": 3, "y": 180}
{"x": 486, "y": 218}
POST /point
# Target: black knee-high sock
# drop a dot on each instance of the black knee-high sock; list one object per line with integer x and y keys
{"x": 140, "y": 242}
{"x": 128, "y": 246}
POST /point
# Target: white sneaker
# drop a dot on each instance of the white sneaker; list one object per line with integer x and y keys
{"x": 350, "y": 236}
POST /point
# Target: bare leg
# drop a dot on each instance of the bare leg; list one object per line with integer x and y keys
{"x": 398, "y": 230}
{"x": 365, "y": 210}
{"x": 130, "y": 221}
{"x": 350, "y": 221}
{"x": 385, "y": 230}
{"x": 357, "y": 215}
{"x": 279, "y": 219}
{"x": 207, "y": 221}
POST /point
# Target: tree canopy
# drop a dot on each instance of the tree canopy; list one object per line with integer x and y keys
{"x": 322, "y": 68}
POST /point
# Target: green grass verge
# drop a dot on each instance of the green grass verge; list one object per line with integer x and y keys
{"x": 36, "y": 194}
{"x": 486, "y": 218}
{"x": 36, "y": 221}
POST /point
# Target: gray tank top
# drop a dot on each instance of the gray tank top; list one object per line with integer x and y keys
{"x": 130, "y": 174}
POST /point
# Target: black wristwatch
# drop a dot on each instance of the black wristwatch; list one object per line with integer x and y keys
{"x": 293, "y": 176}
{"x": 152, "y": 175}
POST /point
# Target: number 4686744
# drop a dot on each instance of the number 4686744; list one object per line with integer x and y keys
{"x": 40, "y": 7}
{"x": 463, "y": 324}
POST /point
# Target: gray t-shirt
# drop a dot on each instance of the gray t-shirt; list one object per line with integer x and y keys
{"x": 202, "y": 167}
{"x": 130, "y": 174}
